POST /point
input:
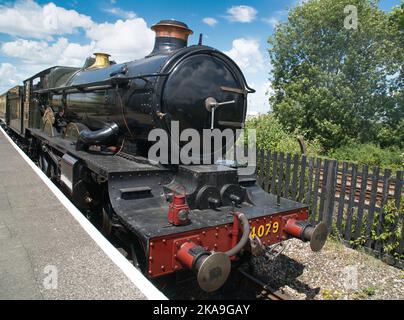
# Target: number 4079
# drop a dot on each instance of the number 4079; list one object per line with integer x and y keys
{"x": 264, "y": 229}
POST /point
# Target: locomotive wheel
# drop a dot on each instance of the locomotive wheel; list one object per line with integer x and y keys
{"x": 106, "y": 222}
{"x": 109, "y": 222}
{"x": 47, "y": 167}
{"x": 44, "y": 164}
{"x": 138, "y": 255}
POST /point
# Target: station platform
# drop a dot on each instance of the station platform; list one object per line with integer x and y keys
{"x": 49, "y": 251}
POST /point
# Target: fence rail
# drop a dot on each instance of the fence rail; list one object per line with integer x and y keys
{"x": 362, "y": 205}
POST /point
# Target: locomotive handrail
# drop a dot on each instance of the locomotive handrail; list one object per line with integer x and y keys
{"x": 99, "y": 85}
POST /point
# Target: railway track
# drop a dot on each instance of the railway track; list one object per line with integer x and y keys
{"x": 242, "y": 285}
{"x": 370, "y": 189}
{"x": 265, "y": 291}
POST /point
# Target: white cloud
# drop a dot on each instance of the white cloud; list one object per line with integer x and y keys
{"x": 124, "y": 40}
{"x": 8, "y": 76}
{"x": 272, "y": 21}
{"x": 248, "y": 56}
{"x": 246, "y": 53}
{"x": 209, "y": 21}
{"x": 276, "y": 18}
{"x": 26, "y": 18}
{"x": 300, "y": 2}
{"x": 242, "y": 14}
{"x": 120, "y": 13}
{"x": 258, "y": 102}
{"x": 42, "y": 53}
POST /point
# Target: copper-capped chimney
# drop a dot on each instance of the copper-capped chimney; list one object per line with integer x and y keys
{"x": 170, "y": 35}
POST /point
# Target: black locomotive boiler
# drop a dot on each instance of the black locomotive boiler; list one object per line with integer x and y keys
{"x": 88, "y": 130}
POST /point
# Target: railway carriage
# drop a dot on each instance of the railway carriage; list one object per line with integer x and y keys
{"x": 88, "y": 128}
{"x": 11, "y": 110}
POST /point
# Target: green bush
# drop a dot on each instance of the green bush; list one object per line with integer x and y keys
{"x": 390, "y": 234}
{"x": 272, "y": 136}
{"x": 370, "y": 154}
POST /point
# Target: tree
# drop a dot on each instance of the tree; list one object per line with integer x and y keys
{"x": 338, "y": 84}
{"x": 270, "y": 135}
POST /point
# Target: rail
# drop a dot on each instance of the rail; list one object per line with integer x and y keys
{"x": 266, "y": 291}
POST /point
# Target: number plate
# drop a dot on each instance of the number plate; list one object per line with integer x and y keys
{"x": 266, "y": 229}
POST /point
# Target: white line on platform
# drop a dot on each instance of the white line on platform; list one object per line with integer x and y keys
{"x": 134, "y": 275}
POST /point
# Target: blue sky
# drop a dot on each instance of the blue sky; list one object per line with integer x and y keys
{"x": 37, "y": 34}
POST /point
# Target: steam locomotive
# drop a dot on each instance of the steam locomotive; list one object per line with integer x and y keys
{"x": 88, "y": 129}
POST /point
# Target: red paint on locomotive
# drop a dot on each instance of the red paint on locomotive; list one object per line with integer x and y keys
{"x": 163, "y": 251}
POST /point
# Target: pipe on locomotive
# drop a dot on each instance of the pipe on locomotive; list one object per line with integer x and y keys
{"x": 244, "y": 238}
{"x": 101, "y": 136}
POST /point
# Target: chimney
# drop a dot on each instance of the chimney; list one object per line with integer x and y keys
{"x": 170, "y": 35}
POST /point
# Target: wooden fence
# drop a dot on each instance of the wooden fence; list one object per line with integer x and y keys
{"x": 361, "y": 205}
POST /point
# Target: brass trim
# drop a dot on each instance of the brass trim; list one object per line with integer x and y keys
{"x": 101, "y": 60}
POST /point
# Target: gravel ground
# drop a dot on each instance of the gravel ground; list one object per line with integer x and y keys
{"x": 336, "y": 272}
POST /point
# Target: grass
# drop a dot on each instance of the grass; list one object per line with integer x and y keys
{"x": 329, "y": 294}
{"x": 364, "y": 293}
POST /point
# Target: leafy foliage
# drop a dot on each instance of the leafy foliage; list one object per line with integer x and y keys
{"x": 387, "y": 233}
{"x": 390, "y": 230}
{"x": 370, "y": 154}
{"x": 272, "y": 136}
{"x": 336, "y": 84}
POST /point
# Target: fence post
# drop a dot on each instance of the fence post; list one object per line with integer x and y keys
{"x": 260, "y": 168}
{"x": 267, "y": 170}
{"x": 372, "y": 207}
{"x": 397, "y": 194}
{"x": 361, "y": 202}
{"x": 280, "y": 175}
{"x": 342, "y": 193}
{"x": 272, "y": 188}
{"x": 330, "y": 187}
{"x": 315, "y": 190}
{"x": 323, "y": 193}
{"x": 287, "y": 176}
{"x": 351, "y": 203}
{"x": 309, "y": 182}
{"x": 302, "y": 179}
{"x": 385, "y": 195}
{"x": 294, "y": 177}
